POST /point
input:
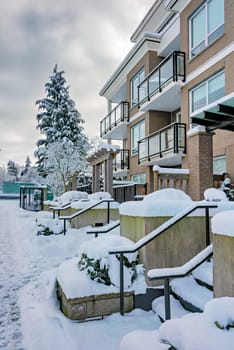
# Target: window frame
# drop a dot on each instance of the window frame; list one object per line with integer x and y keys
{"x": 134, "y": 99}
{"x": 206, "y": 83}
{"x": 208, "y": 35}
{"x": 223, "y": 159}
{"x": 134, "y": 150}
{"x": 139, "y": 176}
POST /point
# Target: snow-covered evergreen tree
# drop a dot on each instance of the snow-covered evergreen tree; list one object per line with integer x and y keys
{"x": 12, "y": 169}
{"x": 59, "y": 120}
{"x": 61, "y": 124}
{"x": 27, "y": 166}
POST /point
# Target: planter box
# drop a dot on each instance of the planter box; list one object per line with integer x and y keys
{"x": 94, "y": 305}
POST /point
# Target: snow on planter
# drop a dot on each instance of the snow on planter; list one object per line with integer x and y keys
{"x": 223, "y": 223}
{"x": 46, "y": 225}
{"x": 104, "y": 267}
{"x": 88, "y": 286}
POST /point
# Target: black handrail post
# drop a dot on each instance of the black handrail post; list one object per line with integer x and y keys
{"x": 207, "y": 217}
{"x": 167, "y": 299}
{"x": 121, "y": 284}
{"x": 64, "y": 227}
{"x": 108, "y": 212}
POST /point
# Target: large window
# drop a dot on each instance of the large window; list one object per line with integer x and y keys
{"x": 139, "y": 178}
{"x": 219, "y": 164}
{"x": 137, "y": 133}
{"x": 206, "y": 25}
{"x": 135, "y": 81}
{"x": 207, "y": 92}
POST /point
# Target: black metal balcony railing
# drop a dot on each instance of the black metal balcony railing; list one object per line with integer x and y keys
{"x": 117, "y": 115}
{"x": 171, "y": 138}
{"x": 121, "y": 161}
{"x": 172, "y": 68}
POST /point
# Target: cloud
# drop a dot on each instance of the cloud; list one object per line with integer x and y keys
{"x": 87, "y": 39}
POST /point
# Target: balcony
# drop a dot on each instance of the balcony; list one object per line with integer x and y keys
{"x": 160, "y": 90}
{"x": 164, "y": 147}
{"x": 114, "y": 125}
{"x": 121, "y": 163}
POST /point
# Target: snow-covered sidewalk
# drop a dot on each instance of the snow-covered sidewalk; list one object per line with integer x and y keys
{"x": 30, "y": 317}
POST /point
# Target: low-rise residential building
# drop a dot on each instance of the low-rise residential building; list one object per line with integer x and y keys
{"x": 171, "y": 100}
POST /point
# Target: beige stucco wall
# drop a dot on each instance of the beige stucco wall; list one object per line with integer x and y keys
{"x": 90, "y": 217}
{"x": 223, "y": 247}
{"x": 174, "y": 247}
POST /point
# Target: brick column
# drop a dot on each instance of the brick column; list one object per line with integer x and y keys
{"x": 200, "y": 163}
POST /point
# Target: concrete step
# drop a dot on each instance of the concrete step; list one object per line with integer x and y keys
{"x": 177, "y": 309}
{"x": 191, "y": 295}
{"x": 204, "y": 274}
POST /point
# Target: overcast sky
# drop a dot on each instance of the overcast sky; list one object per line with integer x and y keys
{"x": 87, "y": 39}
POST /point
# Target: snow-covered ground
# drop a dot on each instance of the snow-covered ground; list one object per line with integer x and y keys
{"x": 30, "y": 318}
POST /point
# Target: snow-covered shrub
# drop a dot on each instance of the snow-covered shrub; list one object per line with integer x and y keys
{"x": 215, "y": 195}
{"x": 220, "y": 311}
{"x": 99, "y": 196}
{"x": 103, "y": 267}
{"x": 46, "y": 225}
{"x": 70, "y": 196}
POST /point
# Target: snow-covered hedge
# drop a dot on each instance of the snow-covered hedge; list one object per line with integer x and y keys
{"x": 70, "y": 196}
{"x": 99, "y": 196}
{"x": 215, "y": 195}
{"x": 103, "y": 267}
{"x": 46, "y": 225}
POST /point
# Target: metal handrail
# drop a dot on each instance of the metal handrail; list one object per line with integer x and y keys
{"x": 80, "y": 212}
{"x": 108, "y": 120}
{"x": 175, "y": 147}
{"x": 97, "y": 230}
{"x": 124, "y": 160}
{"x": 188, "y": 267}
{"x": 155, "y": 233}
{"x": 173, "y": 77}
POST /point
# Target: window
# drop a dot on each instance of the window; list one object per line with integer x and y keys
{"x": 206, "y": 25}
{"x": 137, "y": 133}
{"x": 219, "y": 165}
{"x": 135, "y": 81}
{"x": 139, "y": 178}
{"x": 207, "y": 92}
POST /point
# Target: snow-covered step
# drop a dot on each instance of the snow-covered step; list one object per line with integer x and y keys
{"x": 103, "y": 229}
{"x": 191, "y": 295}
{"x": 204, "y": 274}
{"x": 177, "y": 309}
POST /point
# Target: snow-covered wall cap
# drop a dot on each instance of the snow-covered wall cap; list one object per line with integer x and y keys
{"x": 166, "y": 202}
{"x": 215, "y": 195}
{"x": 223, "y": 223}
{"x": 196, "y": 130}
{"x": 169, "y": 194}
{"x": 170, "y": 170}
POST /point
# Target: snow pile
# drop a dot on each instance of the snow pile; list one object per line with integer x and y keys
{"x": 166, "y": 202}
{"x": 220, "y": 311}
{"x": 211, "y": 330}
{"x": 99, "y": 196}
{"x": 46, "y": 225}
{"x": 217, "y": 223}
{"x": 215, "y": 195}
{"x": 72, "y": 196}
{"x": 104, "y": 267}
